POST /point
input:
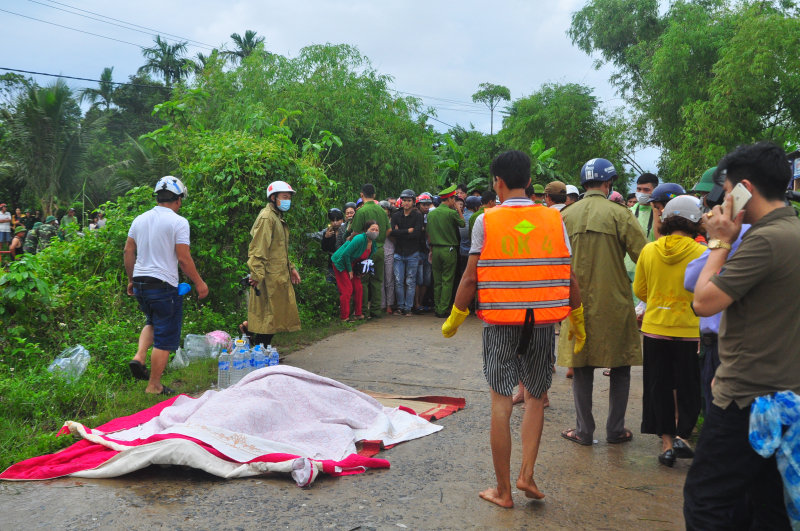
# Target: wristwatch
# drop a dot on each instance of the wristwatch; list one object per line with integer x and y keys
{"x": 718, "y": 244}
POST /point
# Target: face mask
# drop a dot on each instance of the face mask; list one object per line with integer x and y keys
{"x": 642, "y": 198}
{"x": 284, "y": 204}
{"x": 372, "y": 235}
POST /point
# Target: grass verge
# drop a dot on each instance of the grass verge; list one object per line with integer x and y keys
{"x": 106, "y": 398}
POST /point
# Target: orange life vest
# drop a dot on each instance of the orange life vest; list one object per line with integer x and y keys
{"x": 525, "y": 264}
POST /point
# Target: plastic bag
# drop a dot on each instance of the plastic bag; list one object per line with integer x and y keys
{"x": 768, "y": 416}
{"x": 196, "y": 346}
{"x": 218, "y": 340}
{"x": 71, "y": 363}
{"x": 180, "y": 360}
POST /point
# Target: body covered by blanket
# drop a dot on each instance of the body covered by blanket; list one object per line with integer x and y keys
{"x": 277, "y": 419}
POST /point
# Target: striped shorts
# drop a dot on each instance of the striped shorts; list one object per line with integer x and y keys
{"x": 502, "y": 367}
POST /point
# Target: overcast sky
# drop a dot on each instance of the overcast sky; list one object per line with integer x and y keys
{"x": 440, "y": 50}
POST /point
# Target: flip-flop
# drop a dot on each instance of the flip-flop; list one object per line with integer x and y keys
{"x": 607, "y": 372}
{"x": 167, "y": 391}
{"x": 138, "y": 370}
{"x": 625, "y": 438}
{"x": 574, "y": 438}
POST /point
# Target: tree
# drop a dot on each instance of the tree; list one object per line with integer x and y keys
{"x": 491, "y": 95}
{"x": 47, "y": 141}
{"x": 244, "y": 46}
{"x": 105, "y": 93}
{"x": 166, "y": 60}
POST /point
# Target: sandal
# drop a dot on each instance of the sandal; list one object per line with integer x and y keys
{"x": 571, "y": 435}
{"x": 358, "y": 318}
{"x": 409, "y": 313}
{"x": 607, "y": 372}
{"x": 625, "y": 438}
{"x": 138, "y": 370}
{"x": 398, "y": 312}
{"x": 167, "y": 391}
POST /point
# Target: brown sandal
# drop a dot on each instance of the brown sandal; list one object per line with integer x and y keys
{"x": 571, "y": 435}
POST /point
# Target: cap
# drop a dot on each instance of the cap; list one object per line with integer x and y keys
{"x": 49, "y": 219}
{"x": 27, "y": 210}
{"x": 572, "y": 189}
{"x": 555, "y": 187}
{"x": 37, "y": 224}
{"x": 20, "y": 229}
{"x": 538, "y": 189}
{"x": 706, "y": 182}
{"x": 71, "y": 209}
{"x": 3, "y": 205}
{"x": 447, "y": 193}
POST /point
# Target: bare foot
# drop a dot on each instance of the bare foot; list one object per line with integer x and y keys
{"x": 546, "y": 400}
{"x": 519, "y": 397}
{"x": 530, "y": 489}
{"x": 491, "y": 495}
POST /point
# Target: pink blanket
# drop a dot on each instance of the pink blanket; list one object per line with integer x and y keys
{"x": 278, "y": 419}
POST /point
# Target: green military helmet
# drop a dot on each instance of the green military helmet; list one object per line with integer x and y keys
{"x": 706, "y": 182}
{"x": 538, "y": 189}
{"x": 37, "y": 225}
{"x": 50, "y": 219}
{"x": 20, "y": 229}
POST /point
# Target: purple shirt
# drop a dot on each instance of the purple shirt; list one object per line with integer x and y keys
{"x": 708, "y": 325}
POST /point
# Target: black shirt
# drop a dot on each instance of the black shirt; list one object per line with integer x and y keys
{"x": 406, "y": 244}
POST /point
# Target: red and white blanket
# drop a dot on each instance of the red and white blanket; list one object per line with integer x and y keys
{"x": 277, "y": 419}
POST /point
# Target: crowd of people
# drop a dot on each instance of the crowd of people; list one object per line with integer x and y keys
{"x": 29, "y": 232}
{"x": 650, "y": 279}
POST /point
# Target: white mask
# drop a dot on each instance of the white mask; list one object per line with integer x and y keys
{"x": 642, "y": 198}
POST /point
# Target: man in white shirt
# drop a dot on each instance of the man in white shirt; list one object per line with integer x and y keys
{"x": 5, "y": 226}
{"x": 158, "y": 241}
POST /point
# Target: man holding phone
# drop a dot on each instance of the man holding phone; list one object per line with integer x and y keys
{"x": 756, "y": 290}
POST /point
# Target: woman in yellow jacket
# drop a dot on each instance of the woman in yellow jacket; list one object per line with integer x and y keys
{"x": 671, "y": 330}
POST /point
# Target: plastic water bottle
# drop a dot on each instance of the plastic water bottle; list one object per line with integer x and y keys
{"x": 224, "y": 370}
{"x": 251, "y": 360}
{"x": 259, "y": 359}
{"x": 238, "y": 366}
{"x": 274, "y": 358}
{"x": 246, "y": 341}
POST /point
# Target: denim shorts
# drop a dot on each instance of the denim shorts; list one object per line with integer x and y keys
{"x": 6, "y": 237}
{"x": 163, "y": 309}
{"x": 424, "y": 272}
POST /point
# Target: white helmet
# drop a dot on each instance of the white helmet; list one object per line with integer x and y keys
{"x": 571, "y": 189}
{"x": 171, "y": 184}
{"x": 684, "y": 206}
{"x": 278, "y": 187}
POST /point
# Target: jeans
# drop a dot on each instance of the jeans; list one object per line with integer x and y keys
{"x": 163, "y": 309}
{"x": 405, "y": 280}
{"x": 730, "y": 486}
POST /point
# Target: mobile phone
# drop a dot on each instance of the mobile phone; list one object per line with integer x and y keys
{"x": 740, "y": 197}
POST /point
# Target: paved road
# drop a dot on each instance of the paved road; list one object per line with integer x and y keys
{"x": 433, "y": 483}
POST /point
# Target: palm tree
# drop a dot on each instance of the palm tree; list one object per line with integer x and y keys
{"x": 47, "y": 141}
{"x": 201, "y": 60}
{"x": 166, "y": 60}
{"x": 105, "y": 93}
{"x": 245, "y": 46}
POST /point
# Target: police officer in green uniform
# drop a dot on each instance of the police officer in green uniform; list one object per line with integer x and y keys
{"x": 32, "y": 239}
{"x": 371, "y": 282}
{"x": 47, "y": 232}
{"x": 442, "y": 228}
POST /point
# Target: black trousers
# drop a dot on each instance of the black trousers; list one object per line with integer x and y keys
{"x": 261, "y": 339}
{"x": 730, "y": 486}
{"x": 710, "y": 364}
{"x": 670, "y": 365}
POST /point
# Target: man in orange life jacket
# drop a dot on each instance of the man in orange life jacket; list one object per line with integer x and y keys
{"x": 520, "y": 266}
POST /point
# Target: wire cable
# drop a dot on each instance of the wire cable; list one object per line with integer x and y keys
{"x": 84, "y": 79}
{"x": 73, "y": 29}
{"x": 149, "y": 32}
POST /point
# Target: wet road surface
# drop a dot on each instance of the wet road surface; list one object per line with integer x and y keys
{"x": 433, "y": 482}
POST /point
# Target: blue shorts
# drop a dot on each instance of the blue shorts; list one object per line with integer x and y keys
{"x": 424, "y": 271}
{"x": 163, "y": 309}
{"x": 6, "y": 237}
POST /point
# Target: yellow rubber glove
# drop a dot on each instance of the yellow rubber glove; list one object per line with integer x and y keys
{"x": 577, "y": 329}
{"x": 450, "y": 327}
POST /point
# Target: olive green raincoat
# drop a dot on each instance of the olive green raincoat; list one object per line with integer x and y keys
{"x": 275, "y": 310}
{"x": 601, "y": 232}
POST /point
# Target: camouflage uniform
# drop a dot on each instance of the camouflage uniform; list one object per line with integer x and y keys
{"x": 31, "y": 241}
{"x": 46, "y": 233}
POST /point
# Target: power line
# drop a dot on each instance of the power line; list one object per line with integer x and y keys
{"x": 84, "y": 79}
{"x": 150, "y": 32}
{"x": 472, "y": 104}
{"x": 128, "y": 23}
{"x": 441, "y": 122}
{"x": 73, "y": 29}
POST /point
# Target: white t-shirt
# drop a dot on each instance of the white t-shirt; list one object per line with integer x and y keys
{"x": 156, "y": 233}
{"x": 5, "y": 221}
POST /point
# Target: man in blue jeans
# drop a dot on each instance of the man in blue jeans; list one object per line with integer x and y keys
{"x": 406, "y": 229}
{"x": 158, "y": 241}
